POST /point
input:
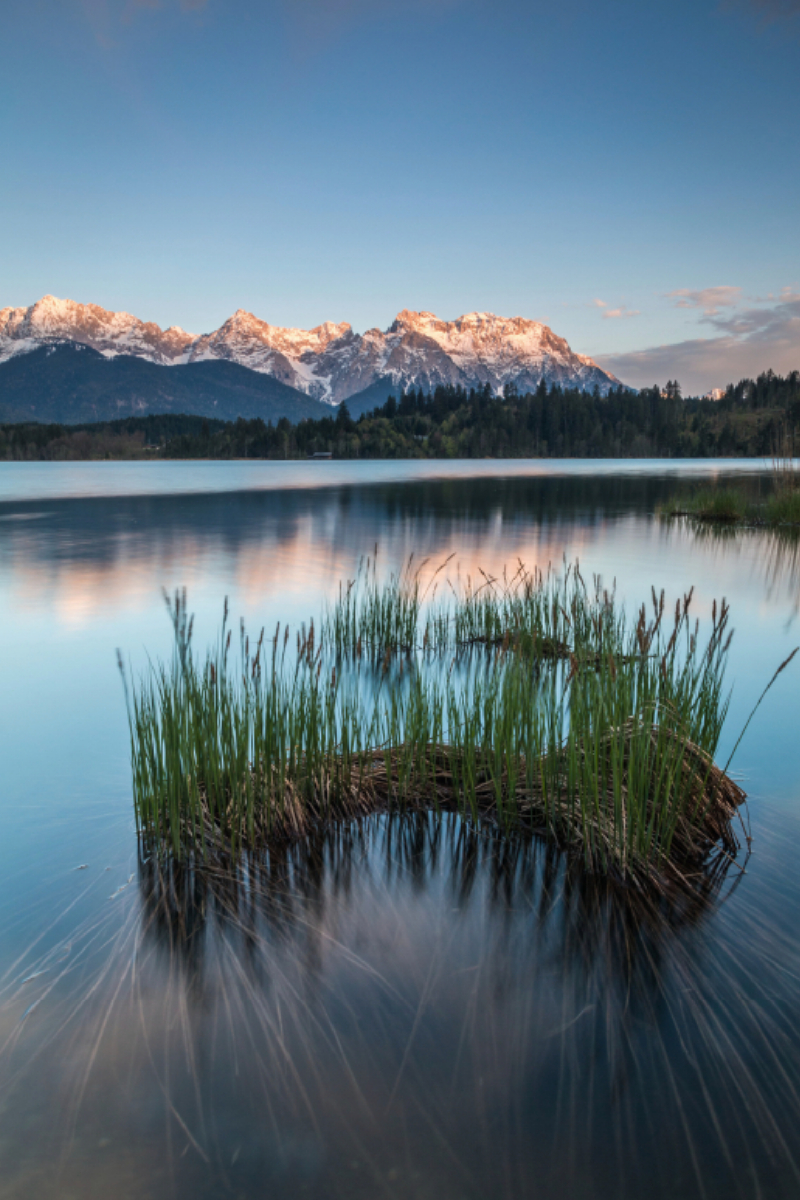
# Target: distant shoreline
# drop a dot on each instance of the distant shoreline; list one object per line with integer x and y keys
{"x": 749, "y": 421}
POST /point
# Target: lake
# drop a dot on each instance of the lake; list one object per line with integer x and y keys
{"x": 406, "y": 1007}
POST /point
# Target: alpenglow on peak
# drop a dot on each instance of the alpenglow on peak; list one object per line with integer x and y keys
{"x": 330, "y": 362}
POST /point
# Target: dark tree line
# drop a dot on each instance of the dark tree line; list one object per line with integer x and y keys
{"x": 452, "y": 422}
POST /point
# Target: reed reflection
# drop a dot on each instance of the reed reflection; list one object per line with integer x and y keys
{"x": 453, "y": 1010}
{"x": 444, "y": 972}
{"x": 289, "y": 894}
{"x": 404, "y": 1007}
{"x": 775, "y": 552}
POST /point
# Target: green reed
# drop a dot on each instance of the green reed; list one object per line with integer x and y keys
{"x": 709, "y": 504}
{"x": 733, "y": 505}
{"x": 375, "y": 617}
{"x": 783, "y": 507}
{"x": 607, "y": 746}
{"x": 542, "y": 614}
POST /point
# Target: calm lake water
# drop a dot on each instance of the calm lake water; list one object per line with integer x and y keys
{"x": 407, "y": 1008}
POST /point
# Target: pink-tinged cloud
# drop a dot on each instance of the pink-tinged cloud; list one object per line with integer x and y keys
{"x": 750, "y": 341}
{"x": 710, "y": 299}
{"x": 616, "y": 314}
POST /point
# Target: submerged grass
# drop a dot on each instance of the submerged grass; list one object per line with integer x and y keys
{"x": 606, "y": 747}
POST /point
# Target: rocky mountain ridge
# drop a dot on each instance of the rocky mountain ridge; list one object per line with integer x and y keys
{"x": 330, "y": 363}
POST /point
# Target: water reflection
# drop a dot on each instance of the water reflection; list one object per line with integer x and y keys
{"x": 507, "y": 1013}
{"x": 84, "y": 556}
{"x": 406, "y": 1009}
{"x": 615, "y": 946}
{"x": 776, "y": 552}
{"x": 410, "y": 1007}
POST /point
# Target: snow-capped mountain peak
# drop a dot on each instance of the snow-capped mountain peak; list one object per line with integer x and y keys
{"x": 329, "y": 362}
{"x": 52, "y": 320}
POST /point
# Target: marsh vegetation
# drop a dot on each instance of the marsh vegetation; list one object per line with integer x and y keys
{"x": 440, "y": 1004}
{"x": 532, "y": 701}
{"x": 733, "y": 504}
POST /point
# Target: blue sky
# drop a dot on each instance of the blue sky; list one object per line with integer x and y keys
{"x": 627, "y": 172}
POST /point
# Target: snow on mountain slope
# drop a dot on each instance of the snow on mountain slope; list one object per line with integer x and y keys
{"x": 53, "y": 320}
{"x": 290, "y": 355}
{"x": 330, "y": 362}
{"x": 500, "y": 350}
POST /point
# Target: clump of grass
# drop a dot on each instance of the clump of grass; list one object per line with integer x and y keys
{"x": 783, "y": 508}
{"x": 378, "y": 618}
{"x": 710, "y": 504}
{"x": 373, "y": 617}
{"x": 535, "y": 614}
{"x": 542, "y": 616}
{"x": 785, "y": 469}
{"x": 730, "y": 505}
{"x": 610, "y": 754}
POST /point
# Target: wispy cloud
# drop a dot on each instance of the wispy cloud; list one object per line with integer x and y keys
{"x": 773, "y": 9}
{"x": 315, "y": 24}
{"x": 615, "y": 314}
{"x": 710, "y": 299}
{"x": 184, "y": 5}
{"x": 750, "y": 341}
{"x": 106, "y": 18}
{"x": 97, "y": 16}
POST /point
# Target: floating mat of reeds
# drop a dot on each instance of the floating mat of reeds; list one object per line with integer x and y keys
{"x": 606, "y": 747}
{"x": 540, "y": 800}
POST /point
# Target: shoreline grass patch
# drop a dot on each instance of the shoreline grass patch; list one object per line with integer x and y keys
{"x": 734, "y": 505}
{"x": 710, "y": 504}
{"x": 608, "y": 752}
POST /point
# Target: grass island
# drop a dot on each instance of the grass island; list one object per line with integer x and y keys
{"x": 533, "y": 702}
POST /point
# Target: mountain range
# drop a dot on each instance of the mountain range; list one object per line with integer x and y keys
{"x": 248, "y": 367}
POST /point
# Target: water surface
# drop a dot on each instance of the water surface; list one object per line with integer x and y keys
{"x": 408, "y": 1008}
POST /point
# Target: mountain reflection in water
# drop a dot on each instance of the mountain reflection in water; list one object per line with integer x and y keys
{"x": 406, "y": 1008}
{"x": 85, "y": 557}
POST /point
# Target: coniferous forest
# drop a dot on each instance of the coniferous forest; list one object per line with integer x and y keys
{"x": 750, "y": 419}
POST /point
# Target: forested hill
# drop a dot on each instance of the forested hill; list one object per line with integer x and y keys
{"x": 72, "y": 384}
{"x": 750, "y": 419}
